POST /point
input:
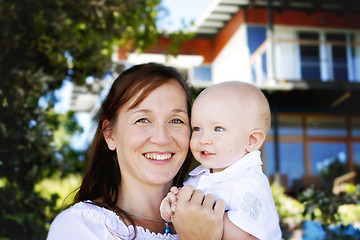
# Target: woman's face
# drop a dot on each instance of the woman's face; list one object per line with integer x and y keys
{"x": 152, "y": 139}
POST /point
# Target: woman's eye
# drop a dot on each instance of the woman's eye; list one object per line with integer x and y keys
{"x": 142, "y": 120}
{"x": 177, "y": 121}
{"x": 196, "y": 129}
{"x": 218, "y": 129}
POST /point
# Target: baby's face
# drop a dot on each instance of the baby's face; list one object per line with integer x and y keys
{"x": 221, "y": 129}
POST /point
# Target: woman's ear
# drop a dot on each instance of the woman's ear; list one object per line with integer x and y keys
{"x": 256, "y": 140}
{"x": 110, "y": 141}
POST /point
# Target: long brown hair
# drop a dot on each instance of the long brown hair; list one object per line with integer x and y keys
{"x": 102, "y": 174}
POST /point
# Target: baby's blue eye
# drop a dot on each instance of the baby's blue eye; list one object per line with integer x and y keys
{"x": 218, "y": 129}
{"x": 196, "y": 129}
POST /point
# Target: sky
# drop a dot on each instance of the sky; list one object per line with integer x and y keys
{"x": 182, "y": 11}
{"x": 180, "y": 14}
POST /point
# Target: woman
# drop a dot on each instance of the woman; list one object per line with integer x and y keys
{"x": 139, "y": 151}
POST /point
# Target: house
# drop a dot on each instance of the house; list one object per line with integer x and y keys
{"x": 305, "y": 56}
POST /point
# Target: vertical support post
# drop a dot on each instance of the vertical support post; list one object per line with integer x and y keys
{"x": 276, "y": 140}
{"x": 270, "y": 52}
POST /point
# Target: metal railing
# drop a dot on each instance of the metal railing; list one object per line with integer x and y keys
{"x": 288, "y": 64}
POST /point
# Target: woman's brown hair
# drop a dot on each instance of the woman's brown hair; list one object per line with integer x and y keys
{"x": 102, "y": 174}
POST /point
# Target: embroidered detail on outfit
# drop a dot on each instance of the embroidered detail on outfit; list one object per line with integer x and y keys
{"x": 251, "y": 205}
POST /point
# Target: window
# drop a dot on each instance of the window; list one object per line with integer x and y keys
{"x": 202, "y": 73}
{"x": 326, "y": 140}
{"x": 356, "y": 155}
{"x": 291, "y": 156}
{"x": 326, "y": 126}
{"x": 338, "y": 55}
{"x": 290, "y": 126}
{"x": 256, "y": 35}
{"x": 328, "y": 56}
{"x": 355, "y": 127}
{"x": 309, "y": 56}
{"x": 325, "y": 154}
{"x": 356, "y": 152}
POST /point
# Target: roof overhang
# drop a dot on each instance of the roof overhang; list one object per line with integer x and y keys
{"x": 221, "y": 11}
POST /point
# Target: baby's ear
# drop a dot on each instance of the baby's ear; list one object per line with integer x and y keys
{"x": 108, "y": 136}
{"x": 256, "y": 140}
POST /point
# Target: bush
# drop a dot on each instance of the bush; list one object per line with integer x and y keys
{"x": 60, "y": 190}
{"x": 337, "y": 214}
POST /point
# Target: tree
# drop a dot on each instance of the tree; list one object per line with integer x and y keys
{"x": 43, "y": 43}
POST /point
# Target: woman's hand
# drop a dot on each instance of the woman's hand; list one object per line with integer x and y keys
{"x": 198, "y": 217}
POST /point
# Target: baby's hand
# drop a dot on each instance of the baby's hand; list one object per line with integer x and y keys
{"x": 167, "y": 207}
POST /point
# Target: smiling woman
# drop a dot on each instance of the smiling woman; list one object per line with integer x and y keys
{"x": 139, "y": 151}
{"x": 151, "y": 139}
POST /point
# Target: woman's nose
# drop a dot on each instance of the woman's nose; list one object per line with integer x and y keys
{"x": 161, "y": 135}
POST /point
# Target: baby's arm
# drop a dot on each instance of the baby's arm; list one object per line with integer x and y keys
{"x": 167, "y": 206}
{"x": 233, "y": 232}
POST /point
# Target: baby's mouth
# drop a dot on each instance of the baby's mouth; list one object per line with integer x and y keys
{"x": 206, "y": 153}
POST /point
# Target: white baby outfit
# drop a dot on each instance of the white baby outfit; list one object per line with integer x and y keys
{"x": 247, "y": 193}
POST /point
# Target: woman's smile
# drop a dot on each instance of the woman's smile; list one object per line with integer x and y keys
{"x": 158, "y": 156}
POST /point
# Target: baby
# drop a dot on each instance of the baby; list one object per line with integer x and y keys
{"x": 230, "y": 122}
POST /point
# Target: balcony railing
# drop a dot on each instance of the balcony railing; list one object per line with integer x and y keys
{"x": 284, "y": 60}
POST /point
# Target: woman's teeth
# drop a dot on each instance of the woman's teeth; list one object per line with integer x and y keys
{"x": 155, "y": 156}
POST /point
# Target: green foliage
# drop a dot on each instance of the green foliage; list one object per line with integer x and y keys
{"x": 334, "y": 170}
{"x": 64, "y": 189}
{"x": 331, "y": 210}
{"x": 289, "y": 210}
{"x": 43, "y": 43}
{"x": 324, "y": 206}
{"x": 286, "y": 206}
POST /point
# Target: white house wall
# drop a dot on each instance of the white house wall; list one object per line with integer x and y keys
{"x": 287, "y": 62}
{"x": 233, "y": 61}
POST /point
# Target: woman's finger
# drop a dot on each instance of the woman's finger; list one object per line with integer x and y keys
{"x": 209, "y": 201}
{"x": 185, "y": 193}
{"x": 219, "y": 207}
{"x": 198, "y": 197}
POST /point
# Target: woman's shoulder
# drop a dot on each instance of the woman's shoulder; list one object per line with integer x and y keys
{"x": 84, "y": 212}
{"x": 85, "y": 220}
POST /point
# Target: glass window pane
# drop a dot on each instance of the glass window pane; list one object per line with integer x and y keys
{"x": 356, "y": 152}
{"x": 328, "y": 161}
{"x": 356, "y": 155}
{"x": 309, "y": 56}
{"x": 339, "y": 56}
{"x": 291, "y": 162}
{"x": 202, "y": 73}
{"x": 355, "y": 127}
{"x": 327, "y": 127}
{"x": 323, "y": 155}
{"x": 290, "y": 126}
{"x": 270, "y": 158}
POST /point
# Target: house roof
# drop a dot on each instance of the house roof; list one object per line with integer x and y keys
{"x": 221, "y": 11}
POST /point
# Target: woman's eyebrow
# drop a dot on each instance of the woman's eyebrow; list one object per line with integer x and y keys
{"x": 179, "y": 110}
{"x": 142, "y": 110}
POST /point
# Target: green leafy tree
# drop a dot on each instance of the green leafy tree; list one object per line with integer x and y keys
{"x": 43, "y": 43}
